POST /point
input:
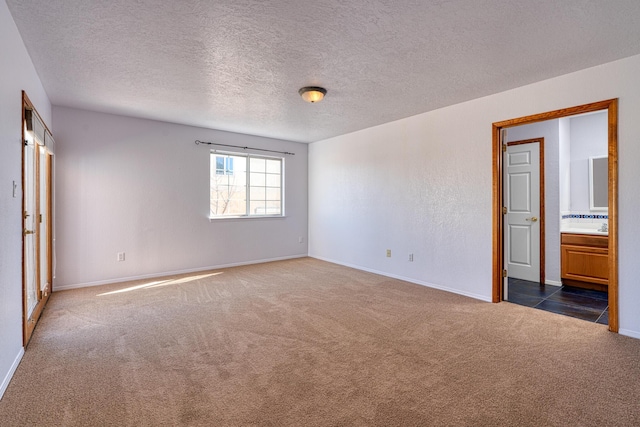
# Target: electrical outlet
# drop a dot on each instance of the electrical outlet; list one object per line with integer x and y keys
{"x": 120, "y": 256}
{"x": 300, "y": 239}
{"x": 411, "y": 257}
{"x": 15, "y": 189}
{"x": 388, "y": 253}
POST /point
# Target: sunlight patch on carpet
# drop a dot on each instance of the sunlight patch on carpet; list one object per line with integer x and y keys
{"x": 160, "y": 283}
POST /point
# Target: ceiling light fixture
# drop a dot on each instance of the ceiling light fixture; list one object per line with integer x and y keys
{"x": 312, "y": 94}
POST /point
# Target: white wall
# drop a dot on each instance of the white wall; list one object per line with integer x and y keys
{"x": 564, "y": 127}
{"x": 16, "y": 74}
{"x": 423, "y": 185}
{"x": 142, "y": 187}
{"x": 589, "y": 136}
{"x": 550, "y": 131}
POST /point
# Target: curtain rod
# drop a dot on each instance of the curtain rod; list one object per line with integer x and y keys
{"x": 244, "y": 148}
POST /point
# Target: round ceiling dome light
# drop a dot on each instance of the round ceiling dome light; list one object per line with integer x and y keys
{"x": 312, "y": 94}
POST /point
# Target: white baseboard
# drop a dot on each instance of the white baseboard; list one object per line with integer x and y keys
{"x": 552, "y": 283}
{"x": 407, "y": 279}
{"x": 629, "y": 333}
{"x": 7, "y": 379}
{"x": 57, "y": 288}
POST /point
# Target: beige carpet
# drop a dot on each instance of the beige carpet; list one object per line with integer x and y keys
{"x": 309, "y": 343}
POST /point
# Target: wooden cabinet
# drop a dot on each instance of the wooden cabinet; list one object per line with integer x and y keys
{"x": 584, "y": 260}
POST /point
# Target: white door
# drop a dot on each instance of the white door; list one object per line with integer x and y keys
{"x": 29, "y": 217}
{"x": 522, "y": 200}
{"x": 43, "y": 220}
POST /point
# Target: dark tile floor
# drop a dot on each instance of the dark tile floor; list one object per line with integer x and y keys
{"x": 575, "y": 302}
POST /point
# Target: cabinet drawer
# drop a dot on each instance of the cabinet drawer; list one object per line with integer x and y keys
{"x": 584, "y": 240}
{"x": 586, "y": 264}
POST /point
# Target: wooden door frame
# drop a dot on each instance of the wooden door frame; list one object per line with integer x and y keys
{"x": 29, "y": 324}
{"x": 542, "y": 211}
{"x": 611, "y": 105}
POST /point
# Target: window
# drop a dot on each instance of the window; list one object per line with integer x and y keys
{"x": 246, "y": 185}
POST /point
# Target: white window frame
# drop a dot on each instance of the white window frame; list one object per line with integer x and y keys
{"x": 212, "y": 158}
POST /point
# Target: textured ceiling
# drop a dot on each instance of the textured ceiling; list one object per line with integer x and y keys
{"x": 237, "y": 65}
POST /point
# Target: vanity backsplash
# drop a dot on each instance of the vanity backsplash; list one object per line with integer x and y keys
{"x": 584, "y": 222}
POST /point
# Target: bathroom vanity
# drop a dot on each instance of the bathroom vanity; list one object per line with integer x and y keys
{"x": 584, "y": 235}
{"x": 584, "y": 259}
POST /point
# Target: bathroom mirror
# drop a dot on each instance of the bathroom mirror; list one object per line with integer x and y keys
{"x": 599, "y": 183}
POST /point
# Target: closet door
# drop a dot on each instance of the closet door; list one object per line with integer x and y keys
{"x": 30, "y": 227}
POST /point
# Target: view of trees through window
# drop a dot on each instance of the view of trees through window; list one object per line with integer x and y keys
{"x": 245, "y": 185}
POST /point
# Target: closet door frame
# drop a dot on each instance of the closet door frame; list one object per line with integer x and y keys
{"x": 43, "y": 241}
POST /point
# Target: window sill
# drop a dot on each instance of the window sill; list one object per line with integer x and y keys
{"x": 244, "y": 217}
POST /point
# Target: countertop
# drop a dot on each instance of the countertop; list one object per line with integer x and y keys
{"x": 583, "y": 230}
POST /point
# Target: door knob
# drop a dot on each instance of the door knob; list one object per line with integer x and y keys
{"x": 29, "y": 232}
{"x": 532, "y": 219}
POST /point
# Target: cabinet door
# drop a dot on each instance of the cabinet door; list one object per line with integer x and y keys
{"x": 586, "y": 264}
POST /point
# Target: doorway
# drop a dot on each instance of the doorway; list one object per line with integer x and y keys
{"x": 499, "y": 259}
{"x": 37, "y": 243}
